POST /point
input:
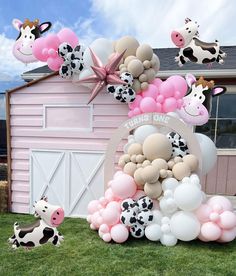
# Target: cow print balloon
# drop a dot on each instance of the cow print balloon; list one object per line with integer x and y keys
{"x": 145, "y": 217}
{"x": 128, "y": 217}
{"x": 137, "y": 230}
{"x": 128, "y": 95}
{"x": 64, "y": 49}
{"x": 127, "y": 203}
{"x": 145, "y": 202}
{"x": 179, "y": 145}
{"x": 128, "y": 78}
{"x": 118, "y": 93}
{"x": 65, "y": 71}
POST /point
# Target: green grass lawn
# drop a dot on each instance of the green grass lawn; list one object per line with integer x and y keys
{"x": 84, "y": 253}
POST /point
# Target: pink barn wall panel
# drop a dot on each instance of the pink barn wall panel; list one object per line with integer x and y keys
{"x": 28, "y": 132}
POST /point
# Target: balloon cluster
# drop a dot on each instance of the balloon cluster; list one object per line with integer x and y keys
{"x": 139, "y": 60}
{"x": 160, "y": 96}
{"x": 73, "y": 60}
{"x": 158, "y": 195}
{"x": 46, "y": 48}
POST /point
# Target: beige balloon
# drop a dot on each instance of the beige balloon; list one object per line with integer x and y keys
{"x": 171, "y": 164}
{"x": 178, "y": 159}
{"x": 163, "y": 173}
{"x": 181, "y": 170}
{"x": 136, "y": 85}
{"x": 150, "y": 174}
{"x": 138, "y": 177}
{"x": 144, "y": 52}
{"x": 143, "y": 78}
{"x": 121, "y": 162}
{"x": 144, "y": 85}
{"x": 154, "y": 190}
{"x": 147, "y": 64}
{"x": 160, "y": 163}
{"x": 157, "y": 146}
{"x": 130, "y": 168}
{"x": 128, "y": 43}
{"x": 150, "y": 73}
{"x": 191, "y": 161}
{"x": 133, "y": 158}
{"x": 135, "y": 67}
{"x": 155, "y": 62}
{"x": 135, "y": 148}
{"x": 140, "y": 158}
{"x": 128, "y": 59}
{"x": 126, "y": 157}
{"x": 146, "y": 163}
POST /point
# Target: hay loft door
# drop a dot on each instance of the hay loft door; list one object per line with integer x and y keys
{"x": 70, "y": 179}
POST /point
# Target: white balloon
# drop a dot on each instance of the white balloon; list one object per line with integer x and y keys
{"x": 168, "y": 240}
{"x": 102, "y": 47}
{"x": 142, "y": 132}
{"x": 169, "y": 184}
{"x": 153, "y": 232}
{"x": 209, "y": 152}
{"x": 188, "y": 197}
{"x": 185, "y": 226}
{"x": 157, "y": 216}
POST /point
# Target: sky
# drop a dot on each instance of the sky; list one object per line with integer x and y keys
{"x": 150, "y": 21}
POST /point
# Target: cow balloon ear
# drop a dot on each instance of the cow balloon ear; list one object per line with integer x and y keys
{"x": 218, "y": 90}
{"x": 17, "y": 24}
{"x": 45, "y": 26}
{"x": 190, "y": 79}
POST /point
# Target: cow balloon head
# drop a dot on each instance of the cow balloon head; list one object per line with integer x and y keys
{"x": 197, "y": 103}
{"x": 29, "y": 31}
{"x": 182, "y": 37}
{"x": 51, "y": 214}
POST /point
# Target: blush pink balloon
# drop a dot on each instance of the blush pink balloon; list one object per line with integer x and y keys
{"x": 109, "y": 194}
{"x": 137, "y": 111}
{"x": 200, "y": 237}
{"x": 114, "y": 205}
{"x": 210, "y": 231}
{"x": 55, "y": 63}
{"x": 106, "y": 237}
{"x": 130, "y": 114}
{"x": 38, "y": 46}
{"x": 67, "y": 35}
{"x": 169, "y": 105}
{"x": 119, "y": 233}
{"x": 221, "y": 201}
{"x": 167, "y": 89}
{"x": 52, "y": 41}
{"x": 138, "y": 194}
{"x": 123, "y": 186}
{"x": 157, "y": 82}
{"x": 227, "y": 235}
{"x": 148, "y": 104}
{"x": 160, "y": 99}
{"x": 203, "y": 213}
{"x": 136, "y": 102}
{"x": 93, "y": 206}
{"x": 52, "y": 53}
{"x": 179, "y": 84}
{"x": 158, "y": 108}
{"x": 151, "y": 91}
{"x": 227, "y": 220}
{"x": 110, "y": 216}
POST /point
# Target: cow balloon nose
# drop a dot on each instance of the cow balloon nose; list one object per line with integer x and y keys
{"x": 177, "y": 39}
{"x": 57, "y": 217}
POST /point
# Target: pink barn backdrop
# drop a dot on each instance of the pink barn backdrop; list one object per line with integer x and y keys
{"x": 56, "y": 146}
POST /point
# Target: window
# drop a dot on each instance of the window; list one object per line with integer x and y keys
{"x": 221, "y": 127}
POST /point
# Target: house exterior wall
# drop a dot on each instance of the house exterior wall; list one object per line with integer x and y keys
{"x": 29, "y": 129}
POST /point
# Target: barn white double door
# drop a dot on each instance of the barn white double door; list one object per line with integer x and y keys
{"x": 70, "y": 179}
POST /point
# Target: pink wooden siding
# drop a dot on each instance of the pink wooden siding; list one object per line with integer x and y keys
{"x": 27, "y": 133}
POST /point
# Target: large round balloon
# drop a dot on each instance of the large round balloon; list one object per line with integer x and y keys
{"x": 209, "y": 152}
{"x": 142, "y": 132}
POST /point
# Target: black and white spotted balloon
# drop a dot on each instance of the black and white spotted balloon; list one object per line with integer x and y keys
{"x": 179, "y": 144}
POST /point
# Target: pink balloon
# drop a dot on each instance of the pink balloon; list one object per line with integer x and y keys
{"x": 227, "y": 220}
{"x": 200, "y": 237}
{"x": 104, "y": 228}
{"x": 123, "y": 186}
{"x": 67, "y": 35}
{"x": 37, "y": 49}
{"x": 203, "y": 213}
{"x": 160, "y": 99}
{"x": 96, "y": 220}
{"x": 227, "y": 235}
{"x": 119, "y": 233}
{"x": 158, "y": 107}
{"x": 106, "y": 237}
{"x": 52, "y": 53}
{"x": 109, "y": 194}
{"x": 151, "y": 91}
{"x": 93, "y": 206}
{"x": 179, "y": 84}
{"x": 111, "y": 216}
{"x": 177, "y": 95}
{"x": 138, "y": 194}
{"x": 167, "y": 89}
{"x": 52, "y": 41}
{"x": 210, "y": 231}
{"x": 136, "y": 102}
{"x": 148, "y": 105}
{"x": 55, "y": 63}
{"x": 136, "y": 111}
{"x": 222, "y": 201}
{"x": 130, "y": 114}
{"x": 169, "y": 105}
{"x": 157, "y": 82}
{"x": 114, "y": 205}
{"x": 179, "y": 103}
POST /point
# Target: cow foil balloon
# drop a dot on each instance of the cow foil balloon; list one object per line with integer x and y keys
{"x": 43, "y": 230}
{"x": 29, "y": 32}
{"x": 192, "y": 48}
{"x": 196, "y": 105}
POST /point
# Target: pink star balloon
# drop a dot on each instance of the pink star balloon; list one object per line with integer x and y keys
{"x": 103, "y": 74}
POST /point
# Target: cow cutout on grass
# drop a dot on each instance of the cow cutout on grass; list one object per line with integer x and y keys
{"x": 29, "y": 32}
{"x": 192, "y": 48}
{"x": 41, "y": 231}
{"x": 197, "y": 103}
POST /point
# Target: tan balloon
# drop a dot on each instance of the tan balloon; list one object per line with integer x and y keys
{"x": 154, "y": 190}
{"x": 140, "y": 158}
{"x": 128, "y": 43}
{"x": 191, "y": 161}
{"x": 136, "y": 85}
{"x": 126, "y": 157}
{"x": 130, "y": 168}
{"x": 169, "y": 173}
{"x": 155, "y": 62}
{"x": 150, "y": 174}
{"x": 144, "y": 85}
{"x": 144, "y": 52}
{"x": 147, "y": 64}
{"x": 163, "y": 173}
{"x": 139, "y": 165}
{"x": 121, "y": 162}
{"x": 133, "y": 158}
{"x": 178, "y": 159}
{"x": 135, "y": 67}
{"x": 171, "y": 164}
{"x": 150, "y": 73}
{"x": 146, "y": 163}
{"x": 160, "y": 163}
{"x": 128, "y": 59}
{"x": 142, "y": 78}
{"x": 181, "y": 170}
{"x": 135, "y": 148}
{"x": 123, "y": 70}
{"x": 138, "y": 177}
{"x": 157, "y": 146}
{"x": 122, "y": 66}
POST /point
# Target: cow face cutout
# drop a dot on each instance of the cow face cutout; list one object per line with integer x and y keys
{"x": 28, "y": 33}
{"x": 51, "y": 214}
{"x": 183, "y": 36}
